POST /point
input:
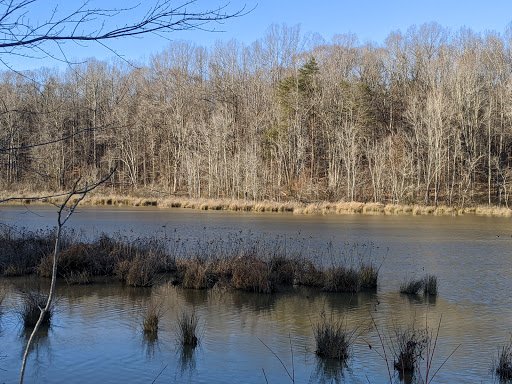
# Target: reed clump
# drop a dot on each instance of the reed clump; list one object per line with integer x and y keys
{"x": 342, "y": 279}
{"x": 412, "y": 286}
{"x": 430, "y": 285}
{"x": 350, "y": 278}
{"x": 409, "y": 346}
{"x": 187, "y": 328}
{"x": 503, "y": 366}
{"x": 332, "y": 339}
{"x": 255, "y": 264}
{"x": 151, "y": 317}
{"x": 33, "y": 301}
{"x": 21, "y": 250}
{"x": 253, "y": 274}
{"x": 308, "y": 274}
{"x": 193, "y": 273}
{"x": 140, "y": 271}
{"x": 78, "y": 278}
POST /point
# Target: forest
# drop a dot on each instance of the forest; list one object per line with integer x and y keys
{"x": 424, "y": 118}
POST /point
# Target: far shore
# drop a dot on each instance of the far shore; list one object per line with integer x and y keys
{"x": 300, "y": 208}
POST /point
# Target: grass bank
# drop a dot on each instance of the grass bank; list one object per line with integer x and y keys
{"x": 152, "y": 199}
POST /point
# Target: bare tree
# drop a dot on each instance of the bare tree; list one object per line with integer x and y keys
{"x": 22, "y": 33}
{"x": 65, "y": 211}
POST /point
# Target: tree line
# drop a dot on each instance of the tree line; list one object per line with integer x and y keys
{"x": 424, "y": 118}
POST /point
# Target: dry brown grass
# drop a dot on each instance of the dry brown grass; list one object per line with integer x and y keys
{"x": 142, "y": 198}
{"x": 141, "y": 271}
{"x": 194, "y": 274}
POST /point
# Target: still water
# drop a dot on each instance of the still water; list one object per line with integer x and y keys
{"x": 96, "y": 332}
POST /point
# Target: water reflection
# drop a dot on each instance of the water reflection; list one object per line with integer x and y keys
{"x": 99, "y": 326}
{"x": 40, "y": 348}
{"x": 187, "y": 359}
{"x": 150, "y": 344}
{"x": 408, "y": 377}
{"x": 329, "y": 371}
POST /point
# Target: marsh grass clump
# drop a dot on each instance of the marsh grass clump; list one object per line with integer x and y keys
{"x": 21, "y": 250}
{"x": 308, "y": 274}
{"x": 187, "y": 329}
{"x": 333, "y": 341}
{"x": 194, "y": 274}
{"x": 503, "y": 366}
{"x": 141, "y": 270}
{"x": 408, "y": 348}
{"x": 78, "y": 278}
{"x": 150, "y": 323}
{"x": 430, "y": 285}
{"x": 342, "y": 279}
{"x": 411, "y": 286}
{"x": 33, "y": 301}
{"x": 369, "y": 275}
{"x": 151, "y": 317}
{"x": 253, "y": 274}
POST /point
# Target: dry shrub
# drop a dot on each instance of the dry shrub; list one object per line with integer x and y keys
{"x": 78, "y": 278}
{"x": 13, "y": 270}
{"x": 45, "y": 267}
{"x": 284, "y": 269}
{"x": 151, "y": 317}
{"x": 21, "y": 250}
{"x": 151, "y": 323}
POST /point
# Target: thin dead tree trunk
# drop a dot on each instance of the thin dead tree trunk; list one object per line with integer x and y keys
{"x": 62, "y": 218}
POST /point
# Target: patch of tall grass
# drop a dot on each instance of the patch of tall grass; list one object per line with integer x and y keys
{"x": 503, "y": 365}
{"x": 411, "y": 286}
{"x": 151, "y": 317}
{"x": 332, "y": 338}
{"x": 430, "y": 286}
{"x": 187, "y": 331}
{"x": 30, "y": 312}
{"x": 251, "y": 263}
{"x": 409, "y": 345}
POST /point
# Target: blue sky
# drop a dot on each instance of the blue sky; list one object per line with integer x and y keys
{"x": 369, "y": 20}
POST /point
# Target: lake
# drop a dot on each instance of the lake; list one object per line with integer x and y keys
{"x": 96, "y": 331}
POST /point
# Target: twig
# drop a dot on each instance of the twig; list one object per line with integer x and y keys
{"x": 277, "y": 357}
{"x": 153, "y": 382}
{"x": 383, "y": 347}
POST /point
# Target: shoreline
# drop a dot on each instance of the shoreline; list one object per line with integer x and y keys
{"x": 295, "y": 207}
